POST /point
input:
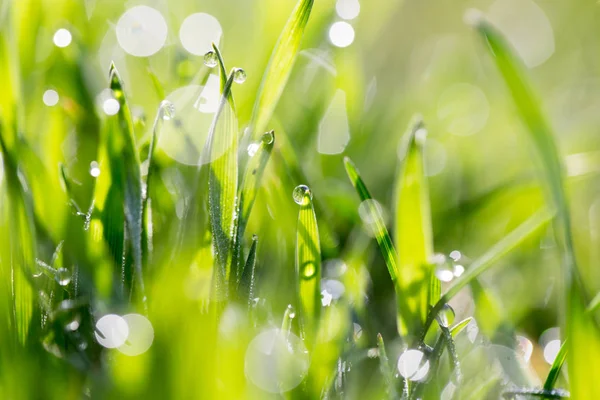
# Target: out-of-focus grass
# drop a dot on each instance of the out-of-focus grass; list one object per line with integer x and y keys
{"x": 100, "y": 214}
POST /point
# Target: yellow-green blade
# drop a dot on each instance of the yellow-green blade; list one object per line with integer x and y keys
{"x": 308, "y": 266}
{"x": 280, "y": 66}
{"x": 246, "y": 288}
{"x": 582, "y": 330}
{"x": 413, "y": 233}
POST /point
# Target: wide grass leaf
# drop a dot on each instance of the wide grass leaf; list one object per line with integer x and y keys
{"x": 280, "y": 66}
{"x": 413, "y": 234}
{"x": 580, "y": 327}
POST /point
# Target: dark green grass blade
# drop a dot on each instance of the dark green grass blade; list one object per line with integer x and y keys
{"x": 522, "y": 233}
{"x": 246, "y": 288}
{"x": 414, "y": 237}
{"x": 280, "y": 66}
{"x": 583, "y": 332}
{"x": 22, "y": 243}
{"x": 383, "y": 240}
{"x": 222, "y": 147}
{"x": 247, "y": 194}
{"x": 556, "y": 366}
{"x": 385, "y": 369}
{"x": 308, "y": 268}
{"x": 125, "y": 175}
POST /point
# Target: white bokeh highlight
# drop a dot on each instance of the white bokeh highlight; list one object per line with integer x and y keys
{"x": 347, "y": 9}
{"x": 334, "y": 129}
{"x": 140, "y": 337}
{"x": 50, "y": 98}
{"x": 412, "y": 365}
{"x": 62, "y": 38}
{"x": 341, "y": 34}
{"x": 198, "y": 32}
{"x": 463, "y": 108}
{"x": 111, "y": 331}
{"x": 141, "y": 31}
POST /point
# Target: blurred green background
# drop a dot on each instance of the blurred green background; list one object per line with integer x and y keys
{"x": 360, "y": 77}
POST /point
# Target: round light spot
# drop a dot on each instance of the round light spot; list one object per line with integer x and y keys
{"x": 463, "y": 109}
{"x": 50, "y": 98}
{"x": 527, "y": 28}
{"x": 413, "y": 365}
{"x": 525, "y": 347}
{"x": 111, "y": 106}
{"x": 435, "y": 157}
{"x": 551, "y": 350}
{"x": 141, "y": 31}
{"x": 334, "y": 287}
{"x": 111, "y": 331}
{"x": 347, "y": 9}
{"x": 94, "y": 169}
{"x": 141, "y": 335}
{"x": 62, "y": 38}
{"x": 276, "y": 361}
{"x": 334, "y": 130}
{"x": 341, "y": 34}
{"x": 198, "y": 32}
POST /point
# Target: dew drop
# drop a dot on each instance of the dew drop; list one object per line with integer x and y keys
{"x": 446, "y": 316}
{"x": 73, "y": 325}
{"x": 458, "y": 270}
{"x": 252, "y": 149}
{"x": 291, "y": 311}
{"x": 413, "y": 365}
{"x": 302, "y": 195}
{"x": 239, "y": 76}
{"x": 167, "y": 110}
{"x": 210, "y": 59}
{"x": 308, "y": 270}
{"x": 268, "y": 137}
{"x": 63, "y": 276}
{"x": 94, "y": 169}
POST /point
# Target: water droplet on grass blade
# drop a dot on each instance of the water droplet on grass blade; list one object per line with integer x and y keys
{"x": 211, "y": 59}
{"x": 239, "y": 76}
{"x": 268, "y": 137}
{"x": 167, "y": 110}
{"x": 413, "y": 365}
{"x": 446, "y": 316}
{"x": 302, "y": 195}
{"x": 308, "y": 270}
{"x": 63, "y": 276}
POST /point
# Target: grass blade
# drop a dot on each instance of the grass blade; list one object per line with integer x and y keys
{"x": 383, "y": 240}
{"x": 246, "y": 288}
{"x": 583, "y": 332}
{"x": 414, "y": 237}
{"x": 248, "y": 191}
{"x": 222, "y": 147}
{"x": 458, "y": 328}
{"x": 308, "y": 263}
{"x": 21, "y": 243}
{"x": 385, "y": 369}
{"x": 523, "y": 232}
{"x": 280, "y": 66}
{"x": 556, "y": 367}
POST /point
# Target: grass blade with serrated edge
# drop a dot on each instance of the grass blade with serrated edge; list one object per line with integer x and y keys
{"x": 221, "y": 147}
{"x": 22, "y": 246}
{"x": 248, "y": 191}
{"x": 414, "y": 237}
{"x": 280, "y": 66}
{"x": 308, "y": 268}
{"x": 246, "y": 288}
{"x": 383, "y": 240}
{"x": 385, "y": 369}
{"x": 125, "y": 175}
{"x": 511, "y": 241}
{"x": 557, "y": 364}
{"x": 583, "y": 332}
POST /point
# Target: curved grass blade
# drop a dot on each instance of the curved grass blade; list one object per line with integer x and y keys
{"x": 308, "y": 267}
{"x": 522, "y": 233}
{"x": 383, "y": 240}
{"x": 556, "y": 367}
{"x": 246, "y": 288}
{"x": 414, "y": 237}
{"x": 124, "y": 200}
{"x": 248, "y": 191}
{"x": 385, "y": 369}
{"x": 458, "y": 328}
{"x": 21, "y": 243}
{"x": 280, "y": 66}
{"x": 222, "y": 147}
{"x": 580, "y": 328}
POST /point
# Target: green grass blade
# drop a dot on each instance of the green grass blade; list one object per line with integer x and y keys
{"x": 21, "y": 243}
{"x": 414, "y": 237}
{"x": 383, "y": 240}
{"x": 385, "y": 369}
{"x": 308, "y": 267}
{"x": 246, "y": 287}
{"x": 248, "y": 191}
{"x": 280, "y": 66}
{"x": 125, "y": 174}
{"x": 222, "y": 148}
{"x": 522, "y": 233}
{"x": 579, "y": 324}
{"x": 458, "y": 328}
{"x": 556, "y": 367}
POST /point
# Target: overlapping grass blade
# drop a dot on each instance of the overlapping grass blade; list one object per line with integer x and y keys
{"x": 222, "y": 147}
{"x": 386, "y": 369}
{"x": 22, "y": 248}
{"x": 246, "y": 288}
{"x": 383, "y": 240}
{"x": 459, "y": 327}
{"x": 557, "y": 364}
{"x": 308, "y": 267}
{"x": 522, "y": 233}
{"x": 413, "y": 233}
{"x": 280, "y": 67}
{"x": 581, "y": 329}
